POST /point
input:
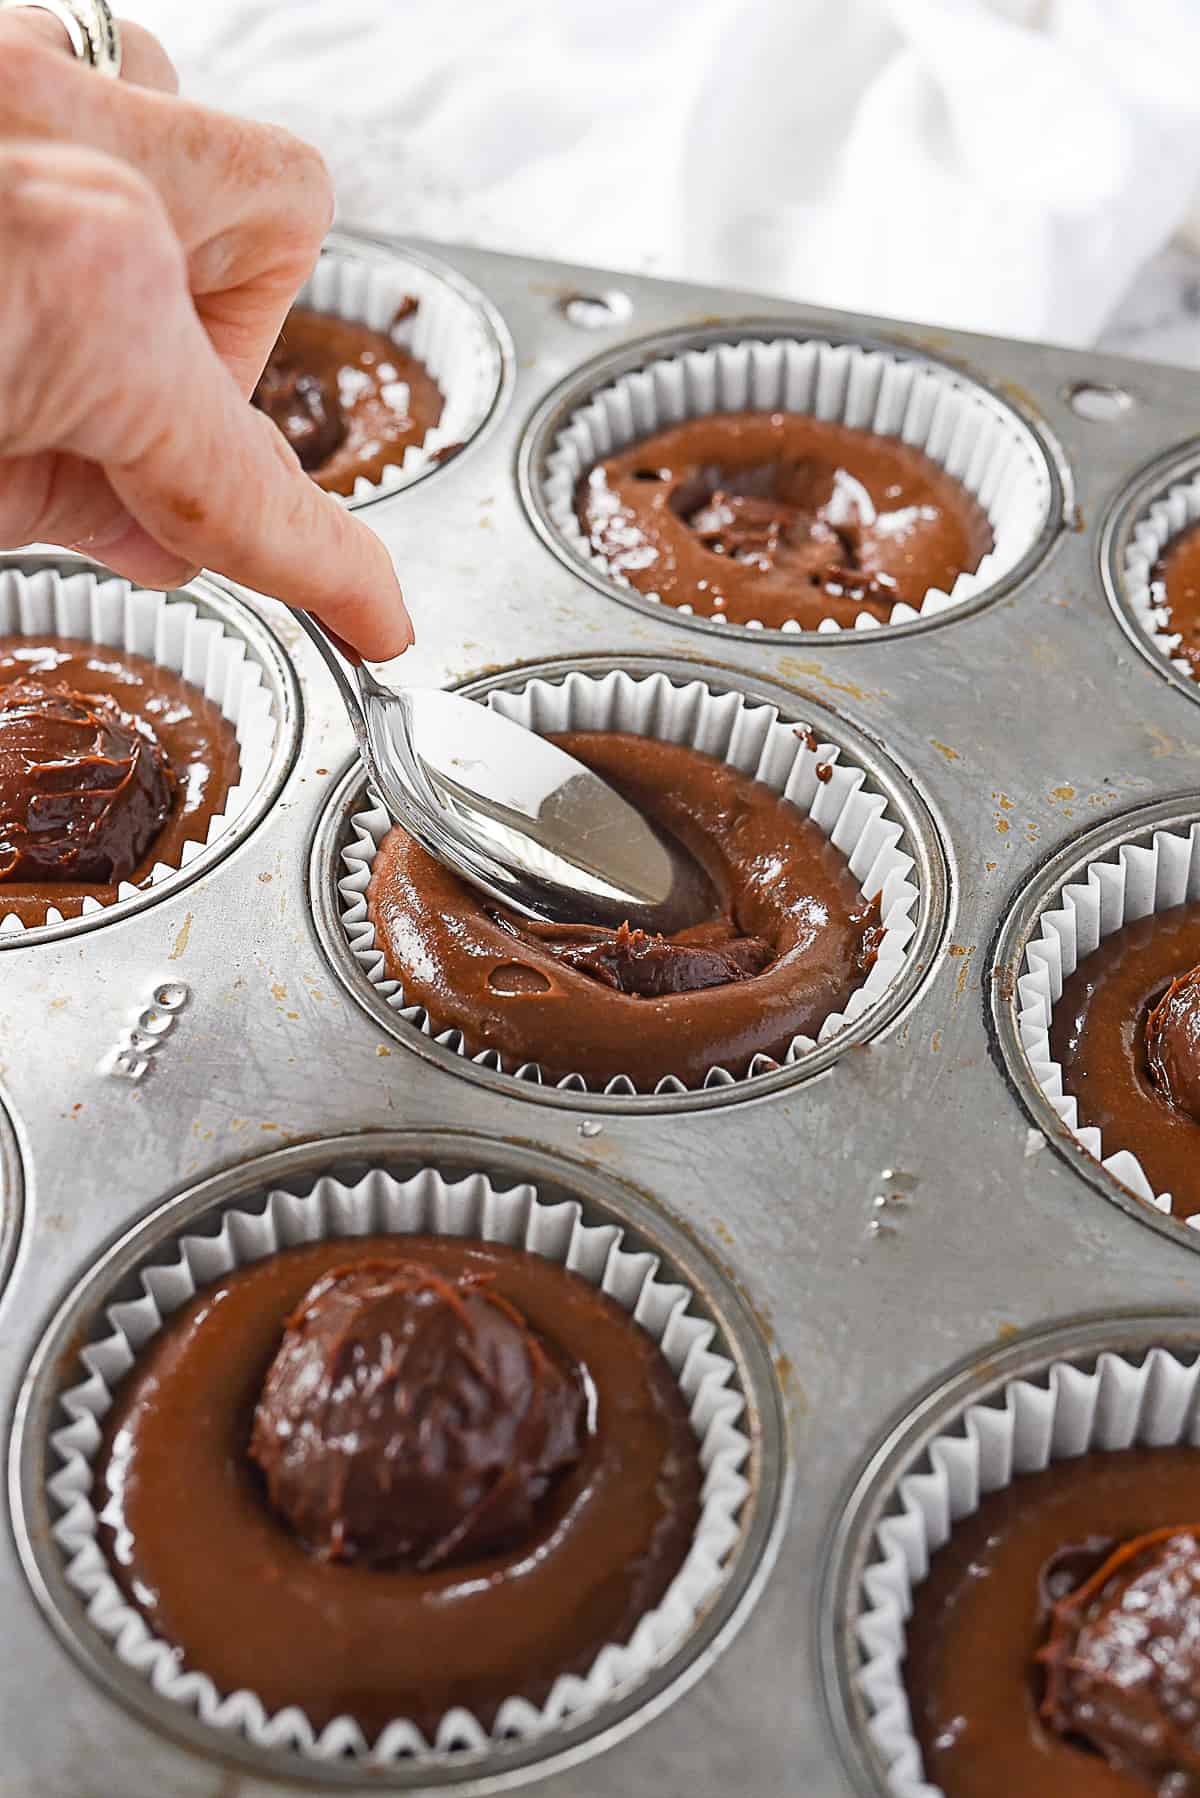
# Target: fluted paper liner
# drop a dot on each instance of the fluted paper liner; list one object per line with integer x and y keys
{"x": 1066, "y": 1412}
{"x": 751, "y": 737}
{"x": 953, "y": 420}
{"x": 447, "y": 333}
{"x": 425, "y": 1204}
{"x": 1165, "y": 517}
{"x": 1131, "y": 884}
{"x": 169, "y": 630}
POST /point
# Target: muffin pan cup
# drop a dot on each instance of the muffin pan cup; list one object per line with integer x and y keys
{"x": 215, "y": 645}
{"x": 453, "y": 332}
{"x": 1103, "y": 1384}
{"x": 1161, "y": 503}
{"x": 749, "y": 736}
{"x": 972, "y": 433}
{"x": 1146, "y": 862}
{"x": 469, "y": 1206}
{"x": 895, "y": 1199}
{"x": 345, "y": 1190}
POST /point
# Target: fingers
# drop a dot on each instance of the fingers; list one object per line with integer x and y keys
{"x": 143, "y": 59}
{"x": 219, "y": 485}
{"x": 249, "y": 203}
{"x": 144, "y": 62}
{"x": 207, "y": 479}
{"x": 57, "y": 498}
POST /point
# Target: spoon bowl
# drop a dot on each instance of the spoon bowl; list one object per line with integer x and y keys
{"x": 510, "y": 812}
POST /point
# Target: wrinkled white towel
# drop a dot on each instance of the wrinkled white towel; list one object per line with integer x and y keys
{"x": 1002, "y": 165}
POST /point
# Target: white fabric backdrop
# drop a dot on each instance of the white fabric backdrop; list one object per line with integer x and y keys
{"x": 1003, "y": 165}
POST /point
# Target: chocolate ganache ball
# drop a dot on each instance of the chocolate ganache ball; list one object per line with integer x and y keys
{"x": 411, "y": 1418}
{"x": 1173, "y": 1043}
{"x": 84, "y": 786}
{"x": 1122, "y": 1661}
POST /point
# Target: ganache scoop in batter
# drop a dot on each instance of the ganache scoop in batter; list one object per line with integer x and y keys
{"x": 84, "y": 787}
{"x": 1122, "y": 1661}
{"x": 411, "y": 1418}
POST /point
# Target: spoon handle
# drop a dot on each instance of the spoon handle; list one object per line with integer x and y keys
{"x": 348, "y": 672}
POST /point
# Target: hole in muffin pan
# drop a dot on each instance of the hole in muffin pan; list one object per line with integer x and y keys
{"x": 1043, "y": 508}
{"x": 596, "y": 311}
{"x": 1160, "y": 502}
{"x": 12, "y": 1198}
{"x": 219, "y": 616}
{"x": 651, "y": 1238}
{"x": 1135, "y": 833}
{"x": 454, "y": 331}
{"x": 861, "y": 1708}
{"x": 920, "y": 840}
{"x": 1098, "y": 403}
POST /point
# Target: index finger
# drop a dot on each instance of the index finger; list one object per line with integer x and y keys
{"x": 213, "y": 481}
{"x": 144, "y": 62}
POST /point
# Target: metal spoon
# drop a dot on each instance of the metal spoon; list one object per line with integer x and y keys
{"x": 517, "y": 817}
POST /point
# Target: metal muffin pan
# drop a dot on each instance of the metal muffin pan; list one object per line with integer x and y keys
{"x": 884, "y": 1219}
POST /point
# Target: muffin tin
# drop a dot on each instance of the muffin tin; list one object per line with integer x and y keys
{"x": 896, "y": 1208}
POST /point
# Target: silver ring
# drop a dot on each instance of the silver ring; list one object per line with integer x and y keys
{"x": 94, "y": 34}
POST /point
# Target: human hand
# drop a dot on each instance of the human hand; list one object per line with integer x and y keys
{"x": 152, "y": 248}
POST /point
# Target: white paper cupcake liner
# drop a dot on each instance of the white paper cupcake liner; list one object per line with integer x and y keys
{"x": 1164, "y": 518}
{"x": 750, "y": 737}
{"x": 446, "y": 333}
{"x": 1129, "y": 885}
{"x": 425, "y": 1204}
{"x": 173, "y": 632}
{"x": 957, "y": 423}
{"x": 1066, "y": 1412}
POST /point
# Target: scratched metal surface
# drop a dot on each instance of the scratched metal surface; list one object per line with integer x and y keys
{"x": 1021, "y": 726}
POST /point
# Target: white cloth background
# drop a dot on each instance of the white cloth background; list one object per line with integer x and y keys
{"x": 1002, "y": 165}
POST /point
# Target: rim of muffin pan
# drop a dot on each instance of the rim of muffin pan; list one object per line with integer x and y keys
{"x": 576, "y": 390}
{"x": 12, "y": 1197}
{"x": 924, "y": 839}
{"x": 354, "y": 241}
{"x": 871, "y": 1493}
{"x": 212, "y": 601}
{"x": 1176, "y": 467}
{"x": 1135, "y": 827}
{"x": 646, "y": 1227}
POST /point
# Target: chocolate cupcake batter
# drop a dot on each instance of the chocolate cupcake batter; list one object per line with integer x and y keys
{"x": 348, "y": 399}
{"x": 411, "y": 1418}
{"x": 1125, "y": 1033}
{"x": 189, "y": 1528}
{"x": 776, "y": 516}
{"x": 789, "y": 939}
{"x": 1175, "y": 585}
{"x": 976, "y": 1673}
{"x": 1122, "y": 1661}
{"x": 84, "y": 788}
{"x": 155, "y": 714}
